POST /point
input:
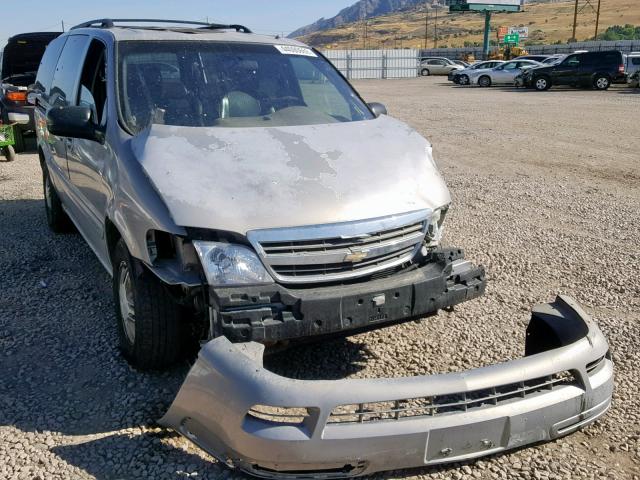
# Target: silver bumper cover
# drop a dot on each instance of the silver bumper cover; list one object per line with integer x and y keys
{"x": 563, "y": 383}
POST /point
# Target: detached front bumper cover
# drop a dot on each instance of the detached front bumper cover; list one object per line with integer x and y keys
{"x": 271, "y": 426}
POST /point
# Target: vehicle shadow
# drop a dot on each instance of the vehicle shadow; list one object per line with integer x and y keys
{"x": 325, "y": 360}
{"x": 141, "y": 455}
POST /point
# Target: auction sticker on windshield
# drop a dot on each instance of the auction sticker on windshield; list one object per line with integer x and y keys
{"x": 293, "y": 50}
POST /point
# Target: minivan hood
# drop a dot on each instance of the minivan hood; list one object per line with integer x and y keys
{"x": 242, "y": 179}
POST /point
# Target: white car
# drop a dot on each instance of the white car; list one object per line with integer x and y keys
{"x": 504, "y": 74}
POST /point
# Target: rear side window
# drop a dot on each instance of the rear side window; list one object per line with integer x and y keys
{"x": 48, "y": 64}
{"x": 635, "y": 60}
{"x": 611, "y": 58}
{"x": 67, "y": 71}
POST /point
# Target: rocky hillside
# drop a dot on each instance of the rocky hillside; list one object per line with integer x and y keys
{"x": 549, "y": 21}
{"x": 359, "y": 11}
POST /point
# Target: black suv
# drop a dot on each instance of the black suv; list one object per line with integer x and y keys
{"x": 590, "y": 69}
{"x": 20, "y": 60}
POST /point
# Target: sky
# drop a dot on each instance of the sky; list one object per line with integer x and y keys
{"x": 261, "y": 16}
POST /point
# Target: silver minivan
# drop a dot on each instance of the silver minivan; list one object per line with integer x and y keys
{"x": 236, "y": 185}
{"x": 242, "y": 194}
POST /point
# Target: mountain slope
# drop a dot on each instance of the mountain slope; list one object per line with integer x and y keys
{"x": 358, "y": 11}
{"x": 548, "y": 22}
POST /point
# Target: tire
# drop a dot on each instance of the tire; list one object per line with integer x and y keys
{"x": 57, "y": 219}
{"x": 601, "y": 82}
{"x": 484, "y": 81}
{"x": 19, "y": 138}
{"x": 9, "y": 153}
{"x": 149, "y": 320}
{"x": 542, "y": 83}
{"x": 464, "y": 80}
{"x": 425, "y": 72}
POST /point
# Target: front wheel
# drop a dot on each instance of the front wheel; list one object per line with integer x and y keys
{"x": 602, "y": 82}
{"x": 464, "y": 80}
{"x": 484, "y": 81}
{"x": 9, "y": 153}
{"x": 542, "y": 84}
{"x": 149, "y": 320}
{"x": 57, "y": 218}
{"x": 425, "y": 72}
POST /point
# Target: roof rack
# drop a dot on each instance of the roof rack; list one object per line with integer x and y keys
{"x": 111, "y": 22}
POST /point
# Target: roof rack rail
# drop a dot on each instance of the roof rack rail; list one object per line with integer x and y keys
{"x": 111, "y": 22}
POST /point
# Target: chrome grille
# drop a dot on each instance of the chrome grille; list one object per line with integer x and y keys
{"x": 340, "y": 251}
{"x": 445, "y": 404}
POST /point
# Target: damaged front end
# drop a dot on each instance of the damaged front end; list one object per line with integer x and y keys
{"x": 271, "y": 426}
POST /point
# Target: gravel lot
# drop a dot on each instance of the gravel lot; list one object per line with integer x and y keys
{"x": 546, "y": 197}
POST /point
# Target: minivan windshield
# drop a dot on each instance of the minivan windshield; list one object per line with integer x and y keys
{"x": 215, "y": 84}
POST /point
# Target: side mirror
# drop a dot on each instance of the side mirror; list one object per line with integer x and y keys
{"x": 73, "y": 122}
{"x": 378, "y": 109}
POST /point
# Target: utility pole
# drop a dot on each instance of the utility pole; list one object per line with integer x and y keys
{"x": 364, "y": 38}
{"x": 575, "y": 22}
{"x": 426, "y": 23}
{"x": 435, "y": 34}
{"x": 62, "y": 22}
{"x": 597, "y": 21}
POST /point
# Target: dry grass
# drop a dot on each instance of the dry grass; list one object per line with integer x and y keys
{"x": 548, "y": 22}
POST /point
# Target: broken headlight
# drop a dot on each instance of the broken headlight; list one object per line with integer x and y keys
{"x": 227, "y": 264}
{"x": 436, "y": 227}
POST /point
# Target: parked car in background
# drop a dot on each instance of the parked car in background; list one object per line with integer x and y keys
{"x": 461, "y": 62}
{"x": 590, "y": 69}
{"x": 553, "y": 59}
{"x": 461, "y": 77}
{"x": 20, "y": 60}
{"x": 632, "y": 63}
{"x": 535, "y": 58}
{"x": 634, "y": 79}
{"x": 437, "y": 66}
{"x": 504, "y": 74}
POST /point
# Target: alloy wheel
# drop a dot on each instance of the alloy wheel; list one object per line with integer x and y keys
{"x": 541, "y": 84}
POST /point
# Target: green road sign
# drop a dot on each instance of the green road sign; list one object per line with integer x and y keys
{"x": 512, "y": 38}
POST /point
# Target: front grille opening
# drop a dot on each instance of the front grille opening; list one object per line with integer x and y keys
{"x": 448, "y": 404}
{"x": 333, "y": 268}
{"x": 279, "y": 415}
{"x": 336, "y": 472}
{"x": 593, "y": 367}
{"x": 340, "y": 257}
{"x": 330, "y": 244}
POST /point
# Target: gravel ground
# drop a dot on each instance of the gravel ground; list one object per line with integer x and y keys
{"x": 546, "y": 197}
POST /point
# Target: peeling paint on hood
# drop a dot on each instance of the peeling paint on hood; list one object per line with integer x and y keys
{"x": 241, "y": 179}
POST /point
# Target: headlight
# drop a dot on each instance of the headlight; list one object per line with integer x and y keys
{"x": 226, "y": 264}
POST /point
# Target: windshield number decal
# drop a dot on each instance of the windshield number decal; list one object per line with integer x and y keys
{"x": 293, "y": 50}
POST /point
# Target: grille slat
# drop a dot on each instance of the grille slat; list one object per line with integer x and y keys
{"x": 443, "y": 404}
{"x": 339, "y": 243}
{"x": 340, "y": 251}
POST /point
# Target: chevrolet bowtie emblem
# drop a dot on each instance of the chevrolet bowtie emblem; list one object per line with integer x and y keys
{"x": 356, "y": 256}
